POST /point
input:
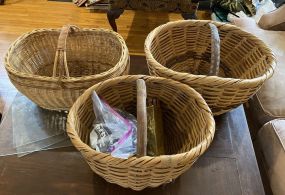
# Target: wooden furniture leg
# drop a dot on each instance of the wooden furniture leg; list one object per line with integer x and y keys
{"x": 112, "y": 16}
{"x": 188, "y": 16}
{"x": 2, "y": 2}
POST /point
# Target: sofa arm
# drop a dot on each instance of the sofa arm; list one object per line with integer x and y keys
{"x": 271, "y": 138}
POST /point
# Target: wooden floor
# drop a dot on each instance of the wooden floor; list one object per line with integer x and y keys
{"x": 20, "y": 16}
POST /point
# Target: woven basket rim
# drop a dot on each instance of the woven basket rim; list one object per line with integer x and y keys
{"x": 233, "y": 81}
{"x": 10, "y": 68}
{"x": 202, "y": 146}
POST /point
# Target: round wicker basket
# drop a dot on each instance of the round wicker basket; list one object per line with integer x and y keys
{"x": 188, "y": 130}
{"x": 52, "y": 67}
{"x": 181, "y": 51}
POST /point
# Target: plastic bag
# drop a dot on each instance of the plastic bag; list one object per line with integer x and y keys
{"x": 155, "y": 140}
{"x": 26, "y": 128}
{"x": 114, "y": 131}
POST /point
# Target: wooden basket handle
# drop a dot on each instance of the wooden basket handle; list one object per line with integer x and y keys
{"x": 141, "y": 118}
{"x": 60, "y": 60}
{"x": 215, "y": 51}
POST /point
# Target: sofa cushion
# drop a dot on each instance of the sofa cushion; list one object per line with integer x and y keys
{"x": 272, "y": 141}
{"x": 269, "y": 102}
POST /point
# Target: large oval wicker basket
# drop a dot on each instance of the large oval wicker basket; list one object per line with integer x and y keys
{"x": 52, "y": 67}
{"x": 188, "y": 130}
{"x": 181, "y": 51}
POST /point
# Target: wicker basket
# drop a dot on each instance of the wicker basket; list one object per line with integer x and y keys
{"x": 52, "y": 67}
{"x": 189, "y": 130}
{"x": 181, "y": 51}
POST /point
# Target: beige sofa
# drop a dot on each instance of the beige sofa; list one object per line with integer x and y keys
{"x": 268, "y": 108}
{"x": 271, "y": 138}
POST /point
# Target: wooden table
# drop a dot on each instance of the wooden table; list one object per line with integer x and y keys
{"x": 228, "y": 167}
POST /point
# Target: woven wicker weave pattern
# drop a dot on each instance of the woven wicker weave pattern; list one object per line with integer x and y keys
{"x": 188, "y": 128}
{"x": 93, "y": 55}
{"x": 181, "y": 51}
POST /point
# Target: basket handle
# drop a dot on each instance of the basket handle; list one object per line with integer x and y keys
{"x": 215, "y": 50}
{"x": 141, "y": 118}
{"x": 60, "y": 55}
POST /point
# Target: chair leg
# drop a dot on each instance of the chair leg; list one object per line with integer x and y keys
{"x": 112, "y": 16}
{"x": 188, "y": 16}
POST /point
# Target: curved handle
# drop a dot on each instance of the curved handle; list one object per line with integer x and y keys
{"x": 60, "y": 60}
{"x": 215, "y": 51}
{"x": 141, "y": 119}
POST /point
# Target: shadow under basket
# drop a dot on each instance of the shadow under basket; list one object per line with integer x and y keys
{"x": 52, "y": 67}
{"x": 181, "y": 51}
{"x": 188, "y": 130}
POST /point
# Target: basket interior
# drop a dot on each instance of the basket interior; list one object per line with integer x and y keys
{"x": 185, "y": 123}
{"x": 88, "y": 53}
{"x": 186, "y": 47}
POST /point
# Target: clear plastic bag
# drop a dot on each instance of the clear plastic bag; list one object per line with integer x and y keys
{"x": 35, "y": 128}
{"x": 114, "y": 131}
{"x": 26, "y": 128}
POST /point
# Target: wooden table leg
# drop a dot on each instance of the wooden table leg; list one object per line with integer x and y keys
{"x": 112, "y": 16}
